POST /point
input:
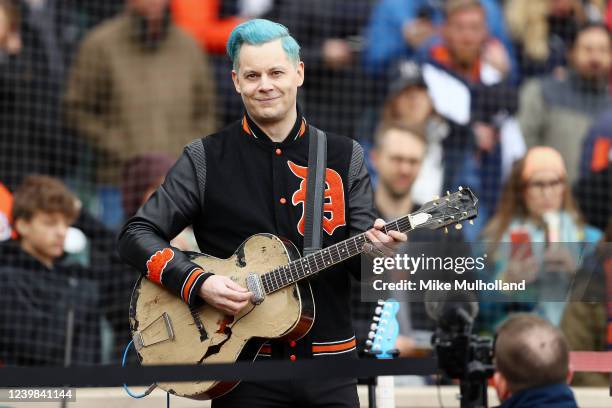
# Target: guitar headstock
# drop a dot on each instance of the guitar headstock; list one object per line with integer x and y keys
{"x": 383, "y": 330}
{"x": 450, "y": 209}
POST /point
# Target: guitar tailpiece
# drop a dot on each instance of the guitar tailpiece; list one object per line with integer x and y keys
{"x": 255, "y": 286}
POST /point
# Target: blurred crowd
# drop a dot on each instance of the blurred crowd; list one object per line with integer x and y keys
{"x": 97, "y": 99}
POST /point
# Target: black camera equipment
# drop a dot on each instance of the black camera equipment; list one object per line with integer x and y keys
{"x": 461, "y": 354}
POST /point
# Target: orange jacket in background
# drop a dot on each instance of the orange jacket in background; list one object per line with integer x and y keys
{"x": 6, "y": 212}
{"x": 200, "y": 18}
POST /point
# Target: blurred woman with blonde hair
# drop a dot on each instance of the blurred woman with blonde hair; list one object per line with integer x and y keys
{"x": 537, "y": 235}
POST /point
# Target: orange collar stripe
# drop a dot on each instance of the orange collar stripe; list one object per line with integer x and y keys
{"x": 248, "y": 131}
{"x": 245, "y": 126}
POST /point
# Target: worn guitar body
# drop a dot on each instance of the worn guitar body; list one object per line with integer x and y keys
{"x": 167, "y": 331}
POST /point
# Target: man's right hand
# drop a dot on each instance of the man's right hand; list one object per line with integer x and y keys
{"x": 224, "y": 294}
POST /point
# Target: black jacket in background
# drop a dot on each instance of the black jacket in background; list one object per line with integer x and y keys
{"x": 34, "y": 306}
{"x": 551, "y": 396}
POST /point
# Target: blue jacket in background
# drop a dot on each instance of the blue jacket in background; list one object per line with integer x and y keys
{"x": 550, "y": 396}
{"x": 384, "y": 39}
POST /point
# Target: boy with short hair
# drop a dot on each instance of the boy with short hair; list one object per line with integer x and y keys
{"x": 44, "y": 305}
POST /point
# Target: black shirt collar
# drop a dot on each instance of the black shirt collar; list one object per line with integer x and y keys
{"x": 297, "y": 131}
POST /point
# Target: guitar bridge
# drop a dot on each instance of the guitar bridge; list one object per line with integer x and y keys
{"x": 158, "y": 331}
{"x": 255, "y": 286}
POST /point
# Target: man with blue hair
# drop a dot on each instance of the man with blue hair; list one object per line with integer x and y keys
{"x": 251, "y": 178}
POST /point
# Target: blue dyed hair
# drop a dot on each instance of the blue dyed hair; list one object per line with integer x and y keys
{"x": 260, "y": 31}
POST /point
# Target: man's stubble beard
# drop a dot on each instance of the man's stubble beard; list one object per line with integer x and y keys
{"x": 393, "y": 192}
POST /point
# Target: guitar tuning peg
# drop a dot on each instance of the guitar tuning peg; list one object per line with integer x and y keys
{"x": 381, "y": 302}
{"x": 458, "y": 226}
{"x": 376, "y": 318}
{"x": 460, "y": 188}
{"x": 369, "y": 343}
{"x": 373, "y": 326}
{"x": 378, "y": 310}
{"x": 371, "y": 335}
{"x": 445, "y": 230}
{"x": 471, "y": 222}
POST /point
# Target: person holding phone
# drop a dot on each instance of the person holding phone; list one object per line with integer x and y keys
{"x": 537, "y": 234}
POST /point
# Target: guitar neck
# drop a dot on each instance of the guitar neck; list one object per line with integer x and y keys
{"x": 309, "y": 265}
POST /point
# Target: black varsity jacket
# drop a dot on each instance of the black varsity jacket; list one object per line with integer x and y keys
{"x": 244, "y": 184}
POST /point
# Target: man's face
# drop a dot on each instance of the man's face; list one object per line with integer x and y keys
{"x": 398, "y": 161}
{"x": 465, "y": 33}
{"x": 152, "y": 10}
{"x": 43, "y": 235}
{"x": 267, "y": 81}
{"x": 413, "y": 105}
{"x": 591, "y": 54}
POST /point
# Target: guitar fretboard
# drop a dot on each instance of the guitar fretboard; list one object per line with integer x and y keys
{"x": 309, "y": 265}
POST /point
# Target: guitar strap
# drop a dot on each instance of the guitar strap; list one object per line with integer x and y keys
{"x": 315, "y": 190}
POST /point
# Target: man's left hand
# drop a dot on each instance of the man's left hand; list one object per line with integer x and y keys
{"x": 383, "y": 244}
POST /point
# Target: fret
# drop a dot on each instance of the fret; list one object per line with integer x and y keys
{"x": 294, "y": 274}
{"x": 285, "y": 275}
{"x": 300, "y": 265}
{"x": 337, "y": 248}
{"x": 312, "y": 265}
{"x": 267, "y": 287}
{"x": 281, "y": 277}
{"x": 268, "y": 281}
{"x": 345, "y": 250}
{"x": 288, "y": 276}
{"x": 313, "y": 259}
{"x": 295, "y": 270}
{"x": 319, "y": 262}
{"x": 355, "y": 243}
{"x": 327, "y": 261}
{"x": 307, "y": 268}
{"x": 276, "y": 280}
{"x": 265, "y": 278}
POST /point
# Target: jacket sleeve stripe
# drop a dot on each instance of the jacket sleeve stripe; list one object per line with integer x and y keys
{"x": 188, "y": 284}
{"x": 335, "y": 347}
